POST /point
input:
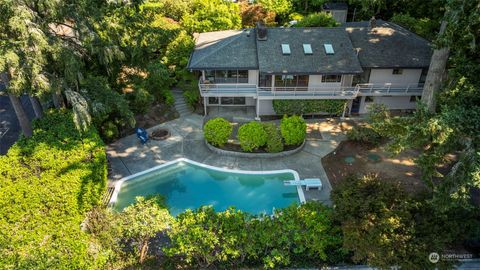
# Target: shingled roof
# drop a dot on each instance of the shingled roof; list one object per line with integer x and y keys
{"x": 230, "y": 49}
{"x": 388, "y": 46}
{"x": 271, "y": 59}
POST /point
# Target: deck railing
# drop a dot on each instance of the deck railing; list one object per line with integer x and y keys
{"x": 390, "y": 88}
{"x": 334, "y": 91}
{"x": 327, "y": 91}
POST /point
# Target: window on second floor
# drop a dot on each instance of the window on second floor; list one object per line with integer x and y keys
{"x": 397, "y": 71}
{"x": 331, "y": 78}
{"x": 227, "y": 76}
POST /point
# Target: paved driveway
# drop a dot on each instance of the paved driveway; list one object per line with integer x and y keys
{"x": 127, "y": 156}
{"x": 9, "y": 126}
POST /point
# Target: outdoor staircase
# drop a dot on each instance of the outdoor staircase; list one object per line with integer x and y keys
{"x": 182, "y": 108}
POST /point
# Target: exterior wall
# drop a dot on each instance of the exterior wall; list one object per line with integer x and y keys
{"x": 339, "y": 15}
{"x": 314, "y": 80}
{"x": 253, "y": 77}
{"x": 393, "y": 103}
{"x": 266, "y": 107}
{"x": 409, "y": 76}
{"x": 347, "y": 80}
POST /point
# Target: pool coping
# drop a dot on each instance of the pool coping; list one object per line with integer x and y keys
{"x": 118, "y": 184}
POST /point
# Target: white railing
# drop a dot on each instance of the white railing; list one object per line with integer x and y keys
{"x": 390, "y": 88}
{"x": 323, "y": 91}
{"x": 332, "y": 91}
{"x": 227, "y": 88}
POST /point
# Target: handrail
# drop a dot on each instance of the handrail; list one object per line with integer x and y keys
{"x": 390, "y": 88}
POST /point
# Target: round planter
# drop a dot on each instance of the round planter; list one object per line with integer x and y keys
{"x": 223, "y": 152}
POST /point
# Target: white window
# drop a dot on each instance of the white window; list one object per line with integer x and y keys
{"x": 307, "y": 49}
{"x": 328, "y": 49}
{"x": 331, "y": 78}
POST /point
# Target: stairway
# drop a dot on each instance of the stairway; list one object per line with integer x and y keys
{"x": 182, "y": 108}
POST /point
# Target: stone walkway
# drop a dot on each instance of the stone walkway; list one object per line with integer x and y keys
{"x": 127, "y": 156}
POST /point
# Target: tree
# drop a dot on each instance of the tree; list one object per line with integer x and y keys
{"x": 436, "y": 73}
{"x": 280, "y": 7}
{"x": 144, "y": 220}
{"x": 320, "y": 19}
{"x": 253, "y": 13}
{"x": 305, "y": 6}
{"x": 212, "y": 15}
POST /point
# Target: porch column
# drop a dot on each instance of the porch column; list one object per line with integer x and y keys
{"x": 257, "y": 110}
{"x": 203, "y": 75}
{"x": 344, "y": 110}
{"x": 205, "y": 105}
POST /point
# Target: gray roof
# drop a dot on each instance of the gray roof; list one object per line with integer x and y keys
{"x": 271, "y": 59}
{"x": 233, "y": 49}
{"x": 388, "y": 46}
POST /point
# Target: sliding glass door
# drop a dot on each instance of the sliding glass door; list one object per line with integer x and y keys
{"x": 226, "y": 76}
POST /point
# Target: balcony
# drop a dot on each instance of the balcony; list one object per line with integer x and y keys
{"x": 390, "y": 89}
{"x": 324, "y": 92}
{"x": 227, "y": 89}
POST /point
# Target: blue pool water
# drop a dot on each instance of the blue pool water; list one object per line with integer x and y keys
{"x": 189, "y": 186}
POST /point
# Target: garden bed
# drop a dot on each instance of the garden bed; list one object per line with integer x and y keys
{"x": 232, "y": 149}
{"x": 356, "y": 158}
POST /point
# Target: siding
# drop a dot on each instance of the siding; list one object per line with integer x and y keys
{"x": 385, "y": 76}
{"x": 393, "y": 103}
{"x": 253, "y": 77}
{"x": 266, "y": 107}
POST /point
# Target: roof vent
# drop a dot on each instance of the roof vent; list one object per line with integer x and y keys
{"x": 261, "y": 31}
{"x": 307, "y": 49}
{"x": 328, "y": 49}
{"x": 285, "y": 49}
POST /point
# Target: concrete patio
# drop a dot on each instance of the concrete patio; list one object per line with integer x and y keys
{"x": 127, "y": 156}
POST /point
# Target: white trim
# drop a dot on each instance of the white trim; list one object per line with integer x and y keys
{"x": 118, "y": 184}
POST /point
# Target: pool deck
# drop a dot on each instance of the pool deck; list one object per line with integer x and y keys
{"x": 127, "y": 156}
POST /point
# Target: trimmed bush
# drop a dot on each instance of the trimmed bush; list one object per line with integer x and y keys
{"x": 364, "y": 135}
{"x": 274, "y": 138}
{"x": 217, "y": 131}
{"x": 252, "y": 136}
{"x": 48, "y": 182}
{"x": 293, "y": 129}
{"x": 299, "y": 107}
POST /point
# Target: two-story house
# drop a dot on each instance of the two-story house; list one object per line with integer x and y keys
{"x": 360, "y": 62}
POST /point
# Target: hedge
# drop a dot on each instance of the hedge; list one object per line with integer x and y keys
{"x": 48, "y": 183}
{"x": 274, "y": 138}
{"x": 217, "y": 131}
{"x": 252, "y": 136}
{"x": 299, "y": 107}
{"x": 293, "y": 129}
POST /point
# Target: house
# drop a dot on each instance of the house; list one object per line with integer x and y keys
{"x": 360, "y": 62}
{"x": 339, "y": 11}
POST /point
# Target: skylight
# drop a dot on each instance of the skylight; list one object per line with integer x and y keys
{"x": 328, "y": 49}
{"x": 285, "y": 49}
{"x": 307, "y": 49}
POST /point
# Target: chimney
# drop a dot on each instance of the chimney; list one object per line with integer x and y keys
{"x": 372, "y": 23}
{"x": 261, "y": 31}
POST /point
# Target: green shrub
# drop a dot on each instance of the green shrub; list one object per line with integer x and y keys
{"x": 168, "y": 97}
{"x": 299, "y": 107}
{"x": 364, "y": 135}
{"x": 297, "y": 236}
{"x": 217, "y": 131}
{"x": 252, "y": 136}
{"x": 192, "y": 97}
{"x": 109, "y": 131}
{"x": 48, "y": 182}
{"x": 140, "y": 100}
{"x": 319, "y": 19}
{"x": 274, "y": 138}
{"x": 293, "y": 129}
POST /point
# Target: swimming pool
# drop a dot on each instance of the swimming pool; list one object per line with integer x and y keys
{"x": 188, "y": 184}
